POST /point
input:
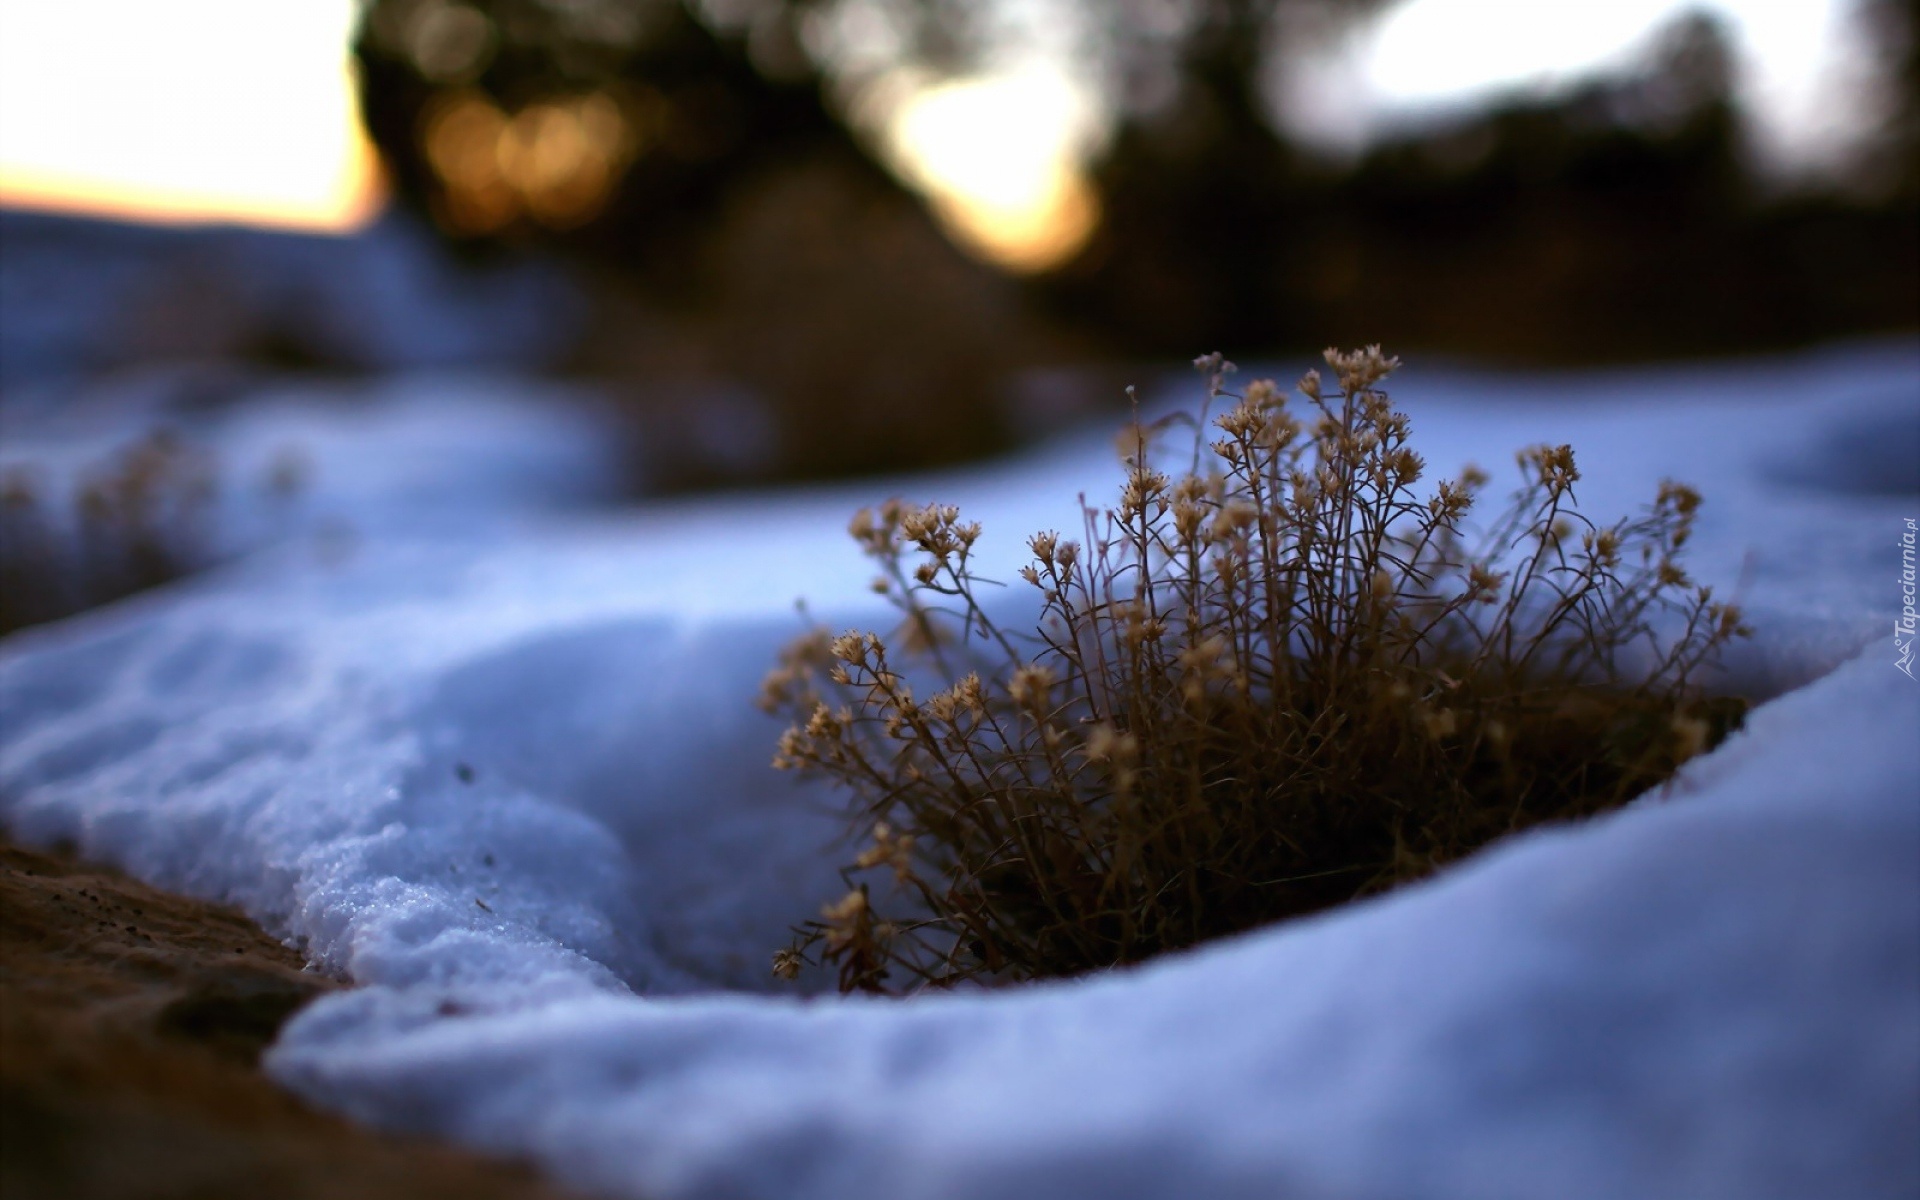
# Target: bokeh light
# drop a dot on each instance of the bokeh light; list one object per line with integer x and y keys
{"x": 1000, "y": 159}
{"x": 184, "y": 110}
{"x": 555, "y": 160}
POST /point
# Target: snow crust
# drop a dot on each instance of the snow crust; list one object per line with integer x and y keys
{"x": 506, "y": 775}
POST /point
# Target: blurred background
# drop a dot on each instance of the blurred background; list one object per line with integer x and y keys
{"x": 781, "y": 239}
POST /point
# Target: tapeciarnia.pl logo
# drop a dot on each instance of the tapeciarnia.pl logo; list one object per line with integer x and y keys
{"x": 1903, "y": 625}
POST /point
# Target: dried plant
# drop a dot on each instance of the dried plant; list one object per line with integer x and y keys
{"x": 1277, "y": 681}
{"x": 142, "y": 518}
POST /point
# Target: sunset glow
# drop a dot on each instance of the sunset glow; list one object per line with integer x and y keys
{"x": 244, "y": 111}
{"x": 184, "y": 111}
{"x": 998, "y": 161}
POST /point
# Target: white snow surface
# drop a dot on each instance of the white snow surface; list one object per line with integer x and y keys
{"x": 508, "y": 778}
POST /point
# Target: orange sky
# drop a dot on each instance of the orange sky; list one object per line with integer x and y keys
{"x": 184, "y": 110}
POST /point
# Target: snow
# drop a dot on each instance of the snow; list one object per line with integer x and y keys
{"x": 504, "y": 774}
{"x": 83, "y": 295}
{"x": 424, "y": 449}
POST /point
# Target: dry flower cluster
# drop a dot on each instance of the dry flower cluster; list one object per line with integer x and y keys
{"x": 1276, "y": 681}
{"x": 141, "y": 518}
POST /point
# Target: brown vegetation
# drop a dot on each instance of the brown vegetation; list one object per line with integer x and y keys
{"x": 135, "y": 522}
{"x": 1278, "y": 682}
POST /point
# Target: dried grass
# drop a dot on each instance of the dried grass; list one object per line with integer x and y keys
{"x": 1276, "y": 681}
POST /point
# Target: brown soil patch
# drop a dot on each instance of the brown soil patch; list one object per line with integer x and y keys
{"x": 131, "y": 1023}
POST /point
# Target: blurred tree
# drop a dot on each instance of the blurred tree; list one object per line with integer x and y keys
{"x": 1893, "y": 159}
{"x": 651, "y": 138}
{"x": 1616, "y": 219}
{"x": 688, "y": 158}
{"x": 706, "y": 155}
{"x": 519, "y": 118}
{"x": 1198, "y": 188}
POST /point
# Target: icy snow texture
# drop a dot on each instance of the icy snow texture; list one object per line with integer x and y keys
{"x": 508, "y": 781}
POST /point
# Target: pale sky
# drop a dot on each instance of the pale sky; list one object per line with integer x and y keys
{"x": 1796, "y": 59}
{"x": 183, "y": 110}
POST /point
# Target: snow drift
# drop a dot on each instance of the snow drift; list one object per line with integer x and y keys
{"x": 506, "y": 776}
